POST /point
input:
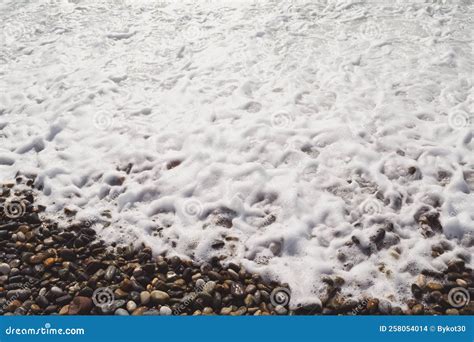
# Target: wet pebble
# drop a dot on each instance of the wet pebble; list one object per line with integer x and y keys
{"x": 159, "y": 297}
{"x": 4, "y": 268}
{"x": 165, "y": 311}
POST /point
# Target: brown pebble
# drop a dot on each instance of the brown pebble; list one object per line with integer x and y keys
{"x": 139, "y": 311}
{"x": 372, "y": 304}
{"x": 50, "y": 262}
{"x": 80, "y": 305}
{"x": 418, "y": 309}
{"x": 421, "y": 281}
{"x": 119, "y": 293}
{"x": 452, "y": 312}
{"x": 432, "y": 286}
{"x": 126, "y": 285}
{"x": 64, "y": 310}
{"x": 13, "y": 305}
{"x": 226, "y": 310}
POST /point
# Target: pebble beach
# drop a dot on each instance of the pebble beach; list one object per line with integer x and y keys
{"x": 47, "y": 270}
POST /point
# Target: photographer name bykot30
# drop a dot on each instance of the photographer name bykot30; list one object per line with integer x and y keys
{"x": 422, "y": 328}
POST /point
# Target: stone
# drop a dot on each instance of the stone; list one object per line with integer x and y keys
{"x": 237, "y": 290}
{"x": 209, "y": 287}
{"x": 56, "y": 292}
{"x": 280, "y": 309}
{"x": 165, "y": 311}
{"x": 13, "y": 305}
{"x": 145, "y": 297}
{"x": 421, "y": 281}
{"x": 432, "y": 286}
{"x": 20, "y": 294}
{"x": 435, "y": 296}
{"x": 416, "y": 291}
{"x": 110, "y": 272}
{"x": 207, "y": 311}
{"x": 250, "y": 289}
{"x": 200, "y": 284}
{"x": 452, "y": 312}
{"x": 372, "y": 304}
{"x": 126, "y": 285}
{"x": 4, "y": 268}
{"x": 226, "y": 310}
{"x": 385, "y": 307}
{"x": 249, "y": 300}
{"x": 159, "y": 297}
{"x": 42, "y": 301}
{"x": 418, "y": 309}
{"x": 67, "y": 254}
{"x": 80, "y": 306}
{"x": 119, "y": 293}
{"x": 37, "y": 259}
{"x": 139, "y": 311}
{"x": 63, "y": 300}
{"x": 234, "y": 275}
{"x": 93, "y": 266}
{"x": 121, "y": 312}
{"x": 131, "y": 306}
{"x": 64, "y": 310}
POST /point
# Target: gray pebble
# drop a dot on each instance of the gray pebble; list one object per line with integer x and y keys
{"x": 121, "y": 312}
{"x": 4, "y": 268}
{"x": 165, "y": 311}
{"x": 110, "y": 272}
{"x": 279, "y": 309}
{"x": 131, "y": 305}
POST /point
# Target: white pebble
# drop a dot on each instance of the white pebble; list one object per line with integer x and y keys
{"x": 165, "y": 311}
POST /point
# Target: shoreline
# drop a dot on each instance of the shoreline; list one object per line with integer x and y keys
{"x": 46, "y": 270}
